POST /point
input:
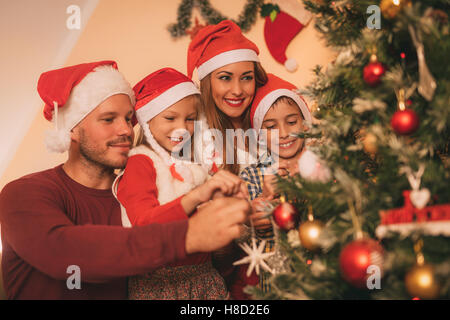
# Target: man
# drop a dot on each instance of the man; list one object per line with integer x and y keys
{"x": 65, "y": 221}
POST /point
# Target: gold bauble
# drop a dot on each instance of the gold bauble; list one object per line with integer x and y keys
{"x": 309, "y": 233}
{"x": 369, "y": 142}
{"x": 420, "y": 282}
{"x": 390, "y": 8}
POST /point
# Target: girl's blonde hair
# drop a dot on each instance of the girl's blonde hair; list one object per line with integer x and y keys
{"x": 218, "y": 120}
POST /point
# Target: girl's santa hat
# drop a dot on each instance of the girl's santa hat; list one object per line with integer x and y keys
{"x": 154, "y": 94}
{"x": 266, "y": 95}
{"x": 71, "y": 93}
{"x": 158, "y": 91}
{"x": 215, "y": 46}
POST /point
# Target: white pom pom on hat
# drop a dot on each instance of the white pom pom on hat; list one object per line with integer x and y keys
{"x": 71, "y": 93}
{"x": 291, "y": 65}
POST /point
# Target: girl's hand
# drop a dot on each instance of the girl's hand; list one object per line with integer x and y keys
{"x": 222, "y": 184}
{"x": 227, "y": 184}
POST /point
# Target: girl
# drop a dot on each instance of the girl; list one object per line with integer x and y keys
{"x": 229, "y": 71}
{"x": 157, "y": 186}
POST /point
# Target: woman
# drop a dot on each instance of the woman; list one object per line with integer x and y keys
{"x": 229, "y": 71}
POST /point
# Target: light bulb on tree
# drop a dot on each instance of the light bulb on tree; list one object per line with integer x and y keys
{"x": 421, "y": 281}
{"x": 309, "y": 232}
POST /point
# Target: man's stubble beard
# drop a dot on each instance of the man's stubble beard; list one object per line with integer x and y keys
{"x": 95, "y": 156}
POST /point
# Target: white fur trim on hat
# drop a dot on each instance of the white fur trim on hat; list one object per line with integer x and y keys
{"x": 265, "y": 104}
{"x": 225, "y": 58}
{"x": 165, "y": 100}
{"x": 97, "y": 86}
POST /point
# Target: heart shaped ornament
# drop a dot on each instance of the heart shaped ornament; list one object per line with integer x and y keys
{"x": 420, "y": 198}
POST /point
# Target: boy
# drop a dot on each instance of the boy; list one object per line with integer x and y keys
{"x": 275, "y": 107}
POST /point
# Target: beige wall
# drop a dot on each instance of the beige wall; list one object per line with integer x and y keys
{"x": 134, "y": 33}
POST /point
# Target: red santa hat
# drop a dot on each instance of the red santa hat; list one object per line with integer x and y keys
{"x": 215, "y": 46}
{"x": 71, "y": 93}
{"x": 266, "y": 95}
{"x": 159, "y": 90}
{"x": 279, "y": 30}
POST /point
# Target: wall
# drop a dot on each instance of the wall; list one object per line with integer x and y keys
{"x": 134, "y": 34}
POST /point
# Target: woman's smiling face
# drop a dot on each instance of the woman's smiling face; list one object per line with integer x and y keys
{"x": 233, "y": 87}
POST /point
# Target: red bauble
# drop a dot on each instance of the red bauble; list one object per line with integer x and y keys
{"x": 356, "y": 257}
{"x": 373, "y": 72}
{"x": 405, "y": 122}
{"x": 285, "y": 215}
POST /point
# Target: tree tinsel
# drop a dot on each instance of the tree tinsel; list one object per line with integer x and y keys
{"x": 245, "y": 19}
{"x": 347, "y": 108}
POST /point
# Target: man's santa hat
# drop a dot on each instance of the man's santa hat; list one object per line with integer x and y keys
{"x": 266, "y": 95}
{"x": 215, "y": 46}
{"x": 71, "y": 93}
{"x": 154, "y": 94}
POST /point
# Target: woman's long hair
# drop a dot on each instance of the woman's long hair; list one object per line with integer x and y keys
{"x": 218, "y": 120}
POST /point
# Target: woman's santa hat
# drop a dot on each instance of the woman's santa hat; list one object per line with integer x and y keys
{"x": 71, "y": 93}
{"x": 215, "y": 46}
{"x": 154, "y": 94}
{"x": 266, "y": 95}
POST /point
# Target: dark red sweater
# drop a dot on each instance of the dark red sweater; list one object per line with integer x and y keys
{"x": 50, "y": 222}
{"x": 138, "y": 193}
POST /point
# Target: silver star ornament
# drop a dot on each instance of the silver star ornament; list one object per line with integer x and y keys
{"x": 255, "y": 257}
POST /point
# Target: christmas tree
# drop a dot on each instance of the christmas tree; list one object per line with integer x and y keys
{"x": 376, "y": 223}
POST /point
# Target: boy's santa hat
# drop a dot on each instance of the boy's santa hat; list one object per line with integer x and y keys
{"x": 215, "y": 46}
{"x": 71, "y": 93}
{"x": 266, "y": 95}
{"x": 154, "y": 94}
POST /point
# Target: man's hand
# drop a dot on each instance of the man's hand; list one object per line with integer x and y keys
{"x": 216, "y": 224}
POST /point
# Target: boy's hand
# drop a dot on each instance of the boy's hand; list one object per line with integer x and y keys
{"x": 269, "y": 181}
{"x": 285, "y": 168}
{"x": 257, "y": 214}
